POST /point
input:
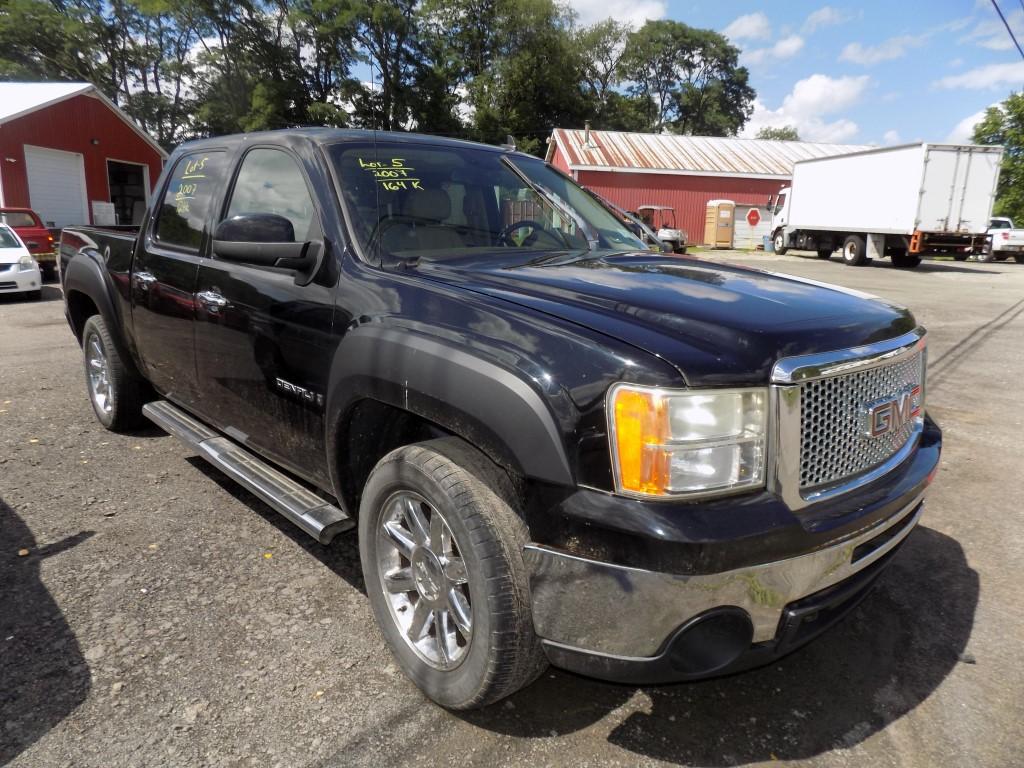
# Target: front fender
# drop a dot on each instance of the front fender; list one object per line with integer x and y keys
{"x": 488, "y": 405}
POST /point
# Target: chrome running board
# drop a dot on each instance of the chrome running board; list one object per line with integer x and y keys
{"x": 318, "y": 518}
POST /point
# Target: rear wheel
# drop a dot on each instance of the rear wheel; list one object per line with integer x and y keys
{"x": 779, "y": 243}
{"x": 961, "y": 256}
{"x": 115, "y": 390}
{"x": 905, "y": 260}
{"x": 854, "y": 252}
{"x": 824, "y": 253}
{"x": 441, "y": 549}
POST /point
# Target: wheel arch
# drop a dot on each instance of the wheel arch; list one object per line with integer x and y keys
{"x": 390, "y": 387}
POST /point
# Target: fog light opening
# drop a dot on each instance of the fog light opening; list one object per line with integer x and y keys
{"x": 712, "y": 641}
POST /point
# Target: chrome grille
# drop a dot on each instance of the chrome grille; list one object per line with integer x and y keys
{"x": 832, "y": 444}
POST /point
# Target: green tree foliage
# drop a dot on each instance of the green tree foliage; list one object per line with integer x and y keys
{"x": 480, "y": 69}
{"x": 690, "y": 78}
{"x": 1004, "y": 125}
{"x": 785, "y": 133}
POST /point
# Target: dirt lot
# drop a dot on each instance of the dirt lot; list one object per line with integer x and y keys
{"x": 162, "y": 616}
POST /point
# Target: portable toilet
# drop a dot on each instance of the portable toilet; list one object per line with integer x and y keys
{"x": 718, "y": 223}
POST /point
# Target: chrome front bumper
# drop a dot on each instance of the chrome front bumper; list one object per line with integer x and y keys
{"x": 599, "y": 608}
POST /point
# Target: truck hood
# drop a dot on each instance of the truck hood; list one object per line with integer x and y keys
{"x": 717, "y": 324}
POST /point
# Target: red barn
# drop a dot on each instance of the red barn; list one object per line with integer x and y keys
{"x": 684, "y": 172}
{"x": 75, "y": 158}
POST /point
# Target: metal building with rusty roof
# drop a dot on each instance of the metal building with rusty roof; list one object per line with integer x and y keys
{"x": 684, "y": 172}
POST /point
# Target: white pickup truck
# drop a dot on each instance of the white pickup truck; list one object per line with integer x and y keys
{"x": 1005, "y": 241}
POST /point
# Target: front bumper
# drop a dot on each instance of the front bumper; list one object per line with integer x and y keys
{"x": 629, "y": 624}
{"x": 14, "y": 281}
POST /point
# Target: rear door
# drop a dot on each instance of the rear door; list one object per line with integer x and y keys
{"x": 264, "y": 342}
{"x": 164, "y": 274}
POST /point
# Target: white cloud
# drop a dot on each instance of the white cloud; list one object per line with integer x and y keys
{"x": 826, "y": 16}
{"x": 751, "y": 26}
{"x": 632, "y": 12}
{"x": 989, "y": 77}
{"x": 887, "y": 50}
{"x": 808, "y": 105}
{"x": 964, "y": 130}
{"x": 891, "y": 137}
{"x": 990, "y": 33}
{"x": 786, "y": 48}
{"x": 956, "y": 63}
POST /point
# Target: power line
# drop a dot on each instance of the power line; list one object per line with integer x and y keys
{"x": 1007, "y": 25}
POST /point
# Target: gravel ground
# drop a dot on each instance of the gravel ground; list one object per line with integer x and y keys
{"x": 163, "y": 616}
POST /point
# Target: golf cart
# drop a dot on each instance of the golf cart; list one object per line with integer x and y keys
{"x": 662, "y": 219}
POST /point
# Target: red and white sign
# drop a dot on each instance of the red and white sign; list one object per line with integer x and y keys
{"x": 753, "y": 217}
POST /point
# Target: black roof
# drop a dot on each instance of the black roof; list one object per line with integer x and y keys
{"x": 323, "y": 136}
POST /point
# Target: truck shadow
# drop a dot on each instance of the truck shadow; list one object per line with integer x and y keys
{"x": 877, "y": 665}
{"x": 43, "y": 675}
{"x": 341, "y": 556}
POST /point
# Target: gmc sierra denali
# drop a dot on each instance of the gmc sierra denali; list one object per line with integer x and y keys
{"x": 555, "y": 445}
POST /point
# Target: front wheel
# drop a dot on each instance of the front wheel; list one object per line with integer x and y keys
{"x": 987, "y": 256}
{"x": 779, "y": 243}
{"x": 854, "y": 252}
{"x": 441, "y": 550}
{"x": 824, "y": 253}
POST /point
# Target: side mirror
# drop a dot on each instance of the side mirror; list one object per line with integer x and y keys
{"x": 256, "y": 228}
{"x": 265, "y": 239}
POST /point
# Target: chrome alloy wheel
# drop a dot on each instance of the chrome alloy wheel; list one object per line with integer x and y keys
{"x": 424, "y": 579}
{"x": 99, "y": 374}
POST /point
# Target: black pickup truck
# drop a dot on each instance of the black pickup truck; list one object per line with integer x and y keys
{"x": 556, "y": 446}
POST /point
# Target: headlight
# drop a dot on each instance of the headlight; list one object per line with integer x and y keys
{"x": 26, "y": 264}
{"x": 677, "y": 443}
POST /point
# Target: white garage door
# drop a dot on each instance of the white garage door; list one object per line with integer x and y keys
{"x": 56, "y": 186}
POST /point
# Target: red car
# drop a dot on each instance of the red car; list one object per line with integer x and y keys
{"x": 36, "y": 237}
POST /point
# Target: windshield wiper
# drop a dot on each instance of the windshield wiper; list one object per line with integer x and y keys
{"x": 561, "y": 207}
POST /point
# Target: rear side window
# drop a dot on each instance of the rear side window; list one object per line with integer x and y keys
{"x": 187, "y": 200}
{"x": 270, "y": 181}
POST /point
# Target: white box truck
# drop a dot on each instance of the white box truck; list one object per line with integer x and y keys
{"x": 901, "y": 202}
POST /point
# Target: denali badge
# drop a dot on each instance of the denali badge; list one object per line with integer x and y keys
{"x": 313, "y": 398}
{"x": 887, "y": 415}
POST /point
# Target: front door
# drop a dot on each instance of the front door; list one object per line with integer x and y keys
{"x": 164, "y": 275}
{"x": 264, "y": 342}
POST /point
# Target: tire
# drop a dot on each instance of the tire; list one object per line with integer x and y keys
{"x": 682, "y": 250}
{"x": 49, "y": 272}
{"x": 987, "y": 257}
{"x": 1019, "y": 258}
{"x": 449, "y": 487}
{"x": 961, "y": 256}
{"x": 115, "y": 389}
{"x": 854, "y": 252}
{"x": 824, "y": 254}
{"x": 905, "y": 260}
{"x": 34, "y": 295}
{"x": 779, "y": 243}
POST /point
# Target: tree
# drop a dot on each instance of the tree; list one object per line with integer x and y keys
{"x": 690, "y": 78}
{"x": 601, "y": 49}
{"x": 1004, "y": 125}
{"x": 785, "y": 133}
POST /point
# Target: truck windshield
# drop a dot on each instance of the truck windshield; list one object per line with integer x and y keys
{"x": 435, "y": 202}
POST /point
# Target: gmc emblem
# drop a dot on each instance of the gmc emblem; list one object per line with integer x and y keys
{"x": 887, "y": 415}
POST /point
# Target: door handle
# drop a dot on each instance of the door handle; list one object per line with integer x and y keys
{"x": 144, "y": 279}
{"x": 212, "y": 301}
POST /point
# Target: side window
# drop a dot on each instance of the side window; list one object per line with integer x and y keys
{"x": 187, "y": 200}
{"x": 270, "y": 182}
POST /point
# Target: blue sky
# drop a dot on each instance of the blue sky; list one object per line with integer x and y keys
{"x": 867, "y": 73}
